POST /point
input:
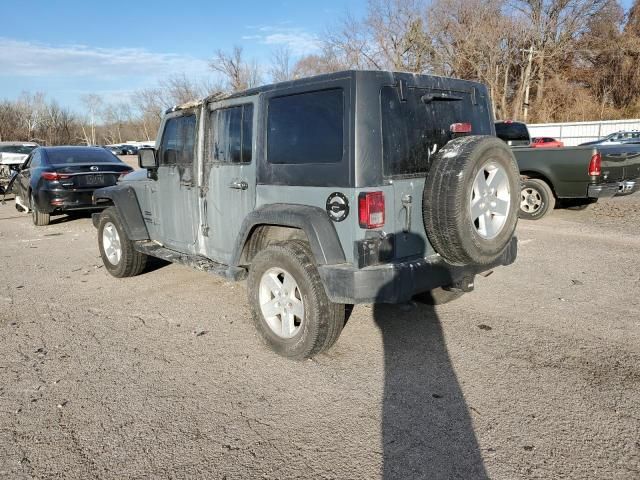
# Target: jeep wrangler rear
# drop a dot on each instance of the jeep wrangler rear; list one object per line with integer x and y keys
{"x": 345, "y": 188}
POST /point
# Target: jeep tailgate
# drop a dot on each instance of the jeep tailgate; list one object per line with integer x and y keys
{"x": 417, "y": 120}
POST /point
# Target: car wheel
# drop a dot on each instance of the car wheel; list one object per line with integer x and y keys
{"x": 470, "y": 200}
{"x": 39, "y": 218}
{"x": 290, "y": 307}
{"x": 536, "y": 199}
{"x": 119, "y": 256}
{"x": 438, "y": 296}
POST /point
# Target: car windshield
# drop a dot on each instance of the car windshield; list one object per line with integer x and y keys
{"x": 22, "y": 149}
{"x": 512, "y": 131}
{"x": 67, "y": 156}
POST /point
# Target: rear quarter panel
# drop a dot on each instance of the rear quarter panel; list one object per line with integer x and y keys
{"x": 566, "y": 169}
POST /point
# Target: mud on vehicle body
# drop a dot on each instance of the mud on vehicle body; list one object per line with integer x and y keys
{"x": 345, "y": 188}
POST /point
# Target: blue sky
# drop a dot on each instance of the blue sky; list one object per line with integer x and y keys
{"x": 67, "y": 48}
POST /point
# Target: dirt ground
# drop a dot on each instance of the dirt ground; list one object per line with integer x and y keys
{"x": 536, "y": 374}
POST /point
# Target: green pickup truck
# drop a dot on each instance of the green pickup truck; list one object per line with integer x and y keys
{"x": 573, "y": 176}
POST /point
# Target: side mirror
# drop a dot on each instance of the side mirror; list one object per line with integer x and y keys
{"x": 147, "y": 158}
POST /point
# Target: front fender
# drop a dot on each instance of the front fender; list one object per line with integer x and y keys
{"x": 322, "y": 235}
{"x": 124, "y": 198}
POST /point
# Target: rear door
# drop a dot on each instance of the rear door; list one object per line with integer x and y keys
{"x": 229, "y": 173}
{"x": 177, "y": 198}
{"x": 414, "y": 129}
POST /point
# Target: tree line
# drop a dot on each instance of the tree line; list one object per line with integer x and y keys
{"x": 543, "y": 61}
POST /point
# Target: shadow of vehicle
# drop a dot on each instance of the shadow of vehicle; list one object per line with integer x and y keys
{"x": 426, "y": 426}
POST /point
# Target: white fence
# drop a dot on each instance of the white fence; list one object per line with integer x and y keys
{"x": 574, "y": 133}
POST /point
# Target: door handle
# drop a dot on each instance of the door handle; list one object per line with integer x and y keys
{"x": 186, "y": 184}
{"x": 239, "y": 185}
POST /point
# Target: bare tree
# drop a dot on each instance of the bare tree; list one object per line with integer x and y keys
{"x": 238, "y": 74}
{"x": 281, "y": 68}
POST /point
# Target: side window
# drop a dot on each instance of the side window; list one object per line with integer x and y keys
{"x": 306, "y": 128}
{"x": 178, "y": 141}
{"x": 232, "y": 133}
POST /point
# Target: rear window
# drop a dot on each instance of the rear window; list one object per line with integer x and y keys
{"x": 512, "y": 131}
{"x": 71, "y": 156}
{"x": 413, "y": 130}
{"x": 22, "y": 149}
{"x": 306, "y": 128}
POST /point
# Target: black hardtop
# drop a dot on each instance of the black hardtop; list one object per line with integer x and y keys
{"x": 363, "y": 78}
{"x": 361, "y": 166}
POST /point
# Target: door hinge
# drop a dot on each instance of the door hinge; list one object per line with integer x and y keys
{"x": 203, "y": 191}
{"x": 205, "y": 230}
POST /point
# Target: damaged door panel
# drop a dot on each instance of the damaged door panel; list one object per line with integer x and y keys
{"x": 177, "y": 180}
{"x": 229, "y": 174}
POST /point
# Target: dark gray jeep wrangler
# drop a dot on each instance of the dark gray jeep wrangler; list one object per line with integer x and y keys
{"x": 345, "y": 188}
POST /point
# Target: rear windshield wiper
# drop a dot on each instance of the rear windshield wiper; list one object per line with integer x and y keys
{"x": 441, "y": 97}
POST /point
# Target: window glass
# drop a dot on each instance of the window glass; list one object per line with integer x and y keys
{"x": 306, "y": 128}
{"x": 178, "y": 141}
{"x": 513, "y": 131}
{"x": 413, "y": 130}
{"x": 232, "y": 134}
{"x": 66, "y": 156}
{"x": 23, "y": 149}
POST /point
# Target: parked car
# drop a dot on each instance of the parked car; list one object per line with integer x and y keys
{"x": 350, "y": 187}
{"x": 129, "y": 149}
{"x": 546, "y": 142}
{"x": 617, "y": 138}
{"x": 115, "y": 149}
{"x": 12, "y": 155}
{"x": 57, "y": 180}
{"x": 575, "y": 176}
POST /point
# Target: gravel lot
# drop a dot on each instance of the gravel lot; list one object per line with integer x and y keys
{"x": 536, "y": 374}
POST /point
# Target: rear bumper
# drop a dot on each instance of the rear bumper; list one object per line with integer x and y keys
{"x": 59, "y": 201}
{"x": 398, "y": 282}
{"x": 613, "y": 189}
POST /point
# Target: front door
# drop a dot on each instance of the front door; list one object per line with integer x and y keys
{"x": 228, "y": 175}
{"x": 177, "y": 192}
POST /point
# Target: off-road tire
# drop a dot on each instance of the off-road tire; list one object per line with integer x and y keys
{"x": 541, "y": 188}
{"x": 447, "y": 193}
{"x": 39, "y": 217}
{"x": 131, "y": 261}
{"x": 323, "y": 320}
{"x": 438, "y": 296}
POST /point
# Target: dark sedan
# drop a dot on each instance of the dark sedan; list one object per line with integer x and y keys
{"x": 57, "y": 180}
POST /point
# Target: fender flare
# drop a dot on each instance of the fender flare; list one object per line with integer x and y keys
{"x": 124, "y": 198}
{"x": 322, "y": 235}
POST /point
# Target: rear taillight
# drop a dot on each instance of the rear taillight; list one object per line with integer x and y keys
{"x": 595, "y": 165}
{"x": 52, "y": 176}
{"x": 371, "y": 209}
{"x": 460, "y": 128}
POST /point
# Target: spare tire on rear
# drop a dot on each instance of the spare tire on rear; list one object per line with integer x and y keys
{"x": 471, "y": 200}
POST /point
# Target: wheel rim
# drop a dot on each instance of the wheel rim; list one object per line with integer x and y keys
{"x": 111, "y": 243}
{"x": 281, "y": 302}
{"x": 490, "y": 200}
{"x": 530, "y": 200}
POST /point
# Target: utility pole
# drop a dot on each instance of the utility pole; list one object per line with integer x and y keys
{"x": 527, "y": 80}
